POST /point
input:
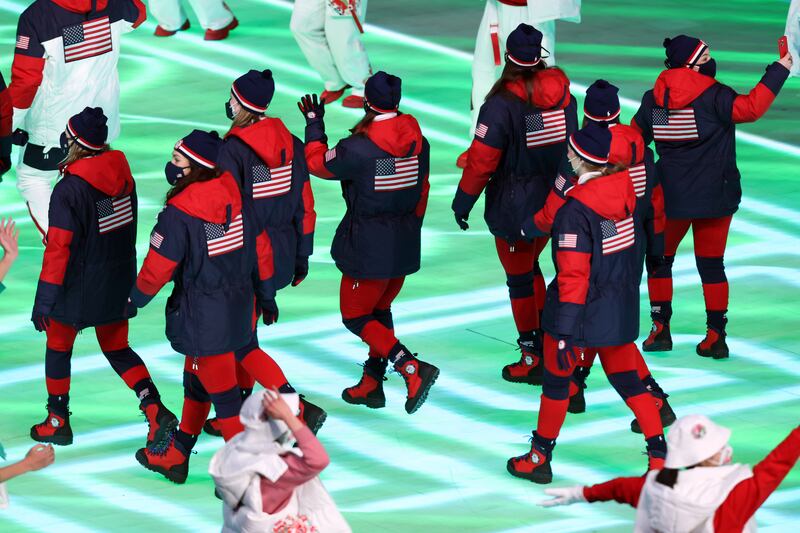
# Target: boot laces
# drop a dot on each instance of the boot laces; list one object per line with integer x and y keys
{"x": 161, "y": 447}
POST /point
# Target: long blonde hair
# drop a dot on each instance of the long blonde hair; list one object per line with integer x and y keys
{"x": 243, "y": 119}
{"x": 76, "y": 152}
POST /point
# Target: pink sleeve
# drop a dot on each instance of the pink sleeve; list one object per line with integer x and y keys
{"x": 301, "y": 469}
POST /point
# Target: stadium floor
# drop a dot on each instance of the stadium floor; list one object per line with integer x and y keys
{"x": 442, "y": 469}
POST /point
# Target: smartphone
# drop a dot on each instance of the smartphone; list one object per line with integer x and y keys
{"x": 783, "y": 46}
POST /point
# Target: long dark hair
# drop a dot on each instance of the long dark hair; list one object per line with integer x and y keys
{"x": 363, "y": 125}
{"x": 513, "y": 72}
{"x": 198, "y": 174}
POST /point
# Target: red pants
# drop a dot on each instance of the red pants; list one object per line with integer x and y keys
{"x": 254, "y": 364}
{"x": 620, "y": 366}
{"x": 710, "y": 237}
{"x": 366, "y": 311}
{"x": 113, "y": 339}
{"x": 206, "y": 380}
{"x": 525, "y": 281}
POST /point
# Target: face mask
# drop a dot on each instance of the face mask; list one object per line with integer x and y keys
{"x": 173, "y": 172}
{"x": 229, "y": 111}
{"x": 725, "y": 456}
{"x": 64, "y": 142}
{"x": 709, "y": 68}
{"x": 576, "y": 165}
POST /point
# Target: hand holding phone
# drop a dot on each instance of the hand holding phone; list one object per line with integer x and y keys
{"x": 783, "y": 46}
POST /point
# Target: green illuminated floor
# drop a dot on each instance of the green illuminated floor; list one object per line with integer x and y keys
{"x": 444, "y": 468}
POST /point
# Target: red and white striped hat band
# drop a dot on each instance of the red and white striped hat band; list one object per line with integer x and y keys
{"x": 602, "y": 119}
{"x": 194, "y": 156}
{"x": 80, "y": 140}
{"x": 245, "y": 103}
{"x": 695, "y": 56}
{"x": 380, "y": 110}
{"x": 523, "y": 63}
{"x": 585, "y": 155}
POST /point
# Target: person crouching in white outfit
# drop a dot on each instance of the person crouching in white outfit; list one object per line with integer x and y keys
{"x": 699, "y": 490}
{"x": 265, "y": 481}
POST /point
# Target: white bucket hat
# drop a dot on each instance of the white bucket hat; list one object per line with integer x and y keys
{"x": 693, "y": 439}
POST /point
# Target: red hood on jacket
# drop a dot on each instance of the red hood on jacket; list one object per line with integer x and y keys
{"x": 81, "y": 6}
{"x": 627, "y": 146}
{"x": 552, "y": 89}
{"x": 683, "y": 84}
{"x": 401, "y": 136}
{"x": 108, "y": 172}
{"x": 609, "y": 196}
{"x": 269, "y": 139}
{"x": 211, "y": 200}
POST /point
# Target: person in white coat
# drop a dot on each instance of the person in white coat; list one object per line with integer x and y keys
{"x": 699, "y": 490}
{"x": 793, "y": 33}
{"x": 329, "y": 35}
{"x": 500, "y": 18}
{"x": 265, "y": 481}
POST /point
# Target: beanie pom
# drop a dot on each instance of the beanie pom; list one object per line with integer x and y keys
{"x": 266, "y": 74}
{"x": 667, "y": 42}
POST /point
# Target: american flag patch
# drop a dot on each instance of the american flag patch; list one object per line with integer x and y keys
{"x": 156, "y": 239}
{"x": 396, "y": 173}
{"x": 220, "y": 241}
{"x": 560, "y": 182}
{"x": 87, "y": 39}
{"x": 113, "y": 213}
{"x": 617, "y": 236}
{"x": 481, "y": 130}
{"x": 567, "y": 240}
{"x": 674, "y": 124}
{"x": 23, "y": 42}
{"x": 270, "y": 182}
{"x": 330, "y": 154}
{"x": 638, "y": 176}
{"x": 543, "y": 129}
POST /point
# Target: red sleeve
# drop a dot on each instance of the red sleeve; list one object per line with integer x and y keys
{"x": 659, "y": 215}
{"x": 309, "y": 215}
{"x": 573, "y": 276}
{"x": 315, "y": 158}
{"x": 56, "y": 255}
{"x": 482, "y": 161}
{"x": 745, "y": 499}
{"x": 422, "y": 205}
{"x": 6, "y": 110}
{"x": 156, "y": 272}
{"x": 26, "y": 76}
{"x": 266, "y": 264}
{"x": 751, "y": 107}
{"x": 635, "y": 125}
{"x": 544, "y": 218}
{"x": 142, "y": 13}
{"x": 621, "y": 490}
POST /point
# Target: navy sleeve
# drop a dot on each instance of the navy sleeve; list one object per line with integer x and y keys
{"x": 571, "y": 113}
{"x": 340, "y": 161}
{"x": 168, "y": 246}
{"x": 493, "y": 128}
{"x": 643, "y": 119}
{"x": 64, "y": 227}
{"x": 230, "y": 160}
{"x": 28, "y": 40}
{"x": 724, "y": 97}
{"x": 572, "y": 239}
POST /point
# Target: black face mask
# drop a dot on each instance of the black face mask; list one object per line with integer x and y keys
{"x": 229, "y": 111}
{"x": 173, "y": 172}
{"x": 64, "y": 142}
{"x": 709, "y": 68}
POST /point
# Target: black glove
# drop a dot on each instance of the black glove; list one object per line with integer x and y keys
{"x": 19, "y": 137}
{"x": 461, "y": 220}
{"x": 40, "y": 321}
{"x": 312, "y": 108}
{"x": 568, "y": 354}
{"x": 130, "y": 309}
{"x": 269, "y": 312}
{"x": 300, "y": 270}
{"x": 530, "y": 230}
{"x": 462, "y": 205}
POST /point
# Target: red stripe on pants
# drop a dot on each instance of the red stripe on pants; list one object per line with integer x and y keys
{"x": 263, "y": 368}
{"x": 217, "y": 374}
{"x": 358, "y": 298}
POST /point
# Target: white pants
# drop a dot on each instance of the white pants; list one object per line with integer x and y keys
{"x": 484, "y": 70}
{"x": 332, "y": 44}
{"x": 212, "y": 14}
{"x": 793, "y": 33}
{"x": 35, "y": 187}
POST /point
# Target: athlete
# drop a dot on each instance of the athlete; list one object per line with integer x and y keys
{"x": 329, "y": 35}
{"x": 383, "y": 168}
{"x": 88, "y": 268}
{"x": 692, "y": 119}
{"x": 215, "y": 18}
{"x": 65, "y": 60}
{"x": 519, "y": 146}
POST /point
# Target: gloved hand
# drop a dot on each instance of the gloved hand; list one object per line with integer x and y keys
{"x": 568, "y": 354}
{"x": 19, "y": 137}
{"x": 462, "y": 205}
{"x": 461, "y": 220}
{"x": 312, "y": 108}
{"x": 300, "y": 270}
{"x": 563, "y": 496}
{"x": 530, "y": 230}
{"x": 130, "y": 309}
{"x": 40, "y": 321}
{"x": 269, "y": 312}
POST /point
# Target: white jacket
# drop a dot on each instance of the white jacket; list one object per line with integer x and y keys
{"x": 544, "y": 10}
{"x": 65, "y": 60}
{"x": 690, "y": 505}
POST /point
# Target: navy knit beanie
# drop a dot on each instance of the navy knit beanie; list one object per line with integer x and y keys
{"x": 382, "y": 92}
{"x": 202, "y": 147}
{"x": 524, "y": 46}
{"x": 592, "y": 143}
{"x": 602, "y": 102}
{"x": 254, "y": 90}
{"x": 683, "y": 51}
{"x": 89, "y": 128}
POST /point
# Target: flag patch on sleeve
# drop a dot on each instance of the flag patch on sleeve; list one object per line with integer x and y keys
{"x": 156, "y": 239}
{"x": 330, "y": 155}
{"x": 567, "y": 240}
{"x": 481, "y": 130}
{"x": 23, "y": 42}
